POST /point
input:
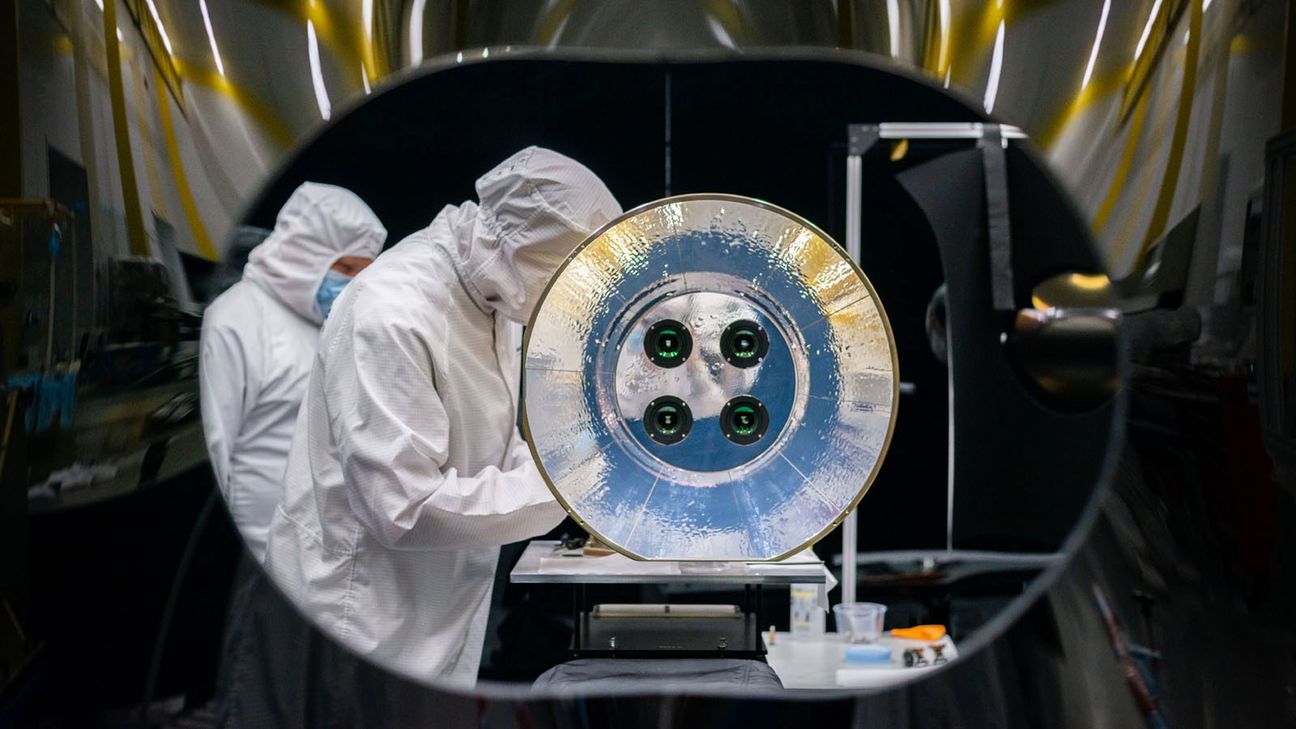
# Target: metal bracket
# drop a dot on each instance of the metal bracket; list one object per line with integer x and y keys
{"x": 860, "y": 137}
{"x": 992, "y": 140}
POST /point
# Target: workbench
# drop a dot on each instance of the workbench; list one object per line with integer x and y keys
{"x": 547, "y": 562}
{"x": 805, "y": 662}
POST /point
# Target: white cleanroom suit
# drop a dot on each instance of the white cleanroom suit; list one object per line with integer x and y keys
{"x": 407, "y": 471}
{"x": 259, "y": 339}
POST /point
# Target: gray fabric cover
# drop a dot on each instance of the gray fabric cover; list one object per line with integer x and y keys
{"x": 278, "y": 671}
{"x": 657, "y": 673}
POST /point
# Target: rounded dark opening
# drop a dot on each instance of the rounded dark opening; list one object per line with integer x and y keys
{"x": 668, "y": 420}
{"x": 744, "y": 420}
{"x": 744, "y": 344}
{"x": 668, "y": 343}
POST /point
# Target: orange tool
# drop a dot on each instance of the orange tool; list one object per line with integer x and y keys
{"x": 920, "y": 632}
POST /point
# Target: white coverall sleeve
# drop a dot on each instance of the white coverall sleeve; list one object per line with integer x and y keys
{"x": 519, "y": 452}
{"x": 392, "y": 435}
{"x": 222, "y": 385}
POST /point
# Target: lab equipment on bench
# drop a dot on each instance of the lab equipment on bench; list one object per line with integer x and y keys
{"x": 661, "y": 630}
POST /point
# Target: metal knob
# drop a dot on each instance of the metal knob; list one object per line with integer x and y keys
{"x": 1068, "y": 344}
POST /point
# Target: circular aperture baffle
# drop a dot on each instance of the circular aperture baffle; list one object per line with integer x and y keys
{"x": 744, "y": 343}
{"x": 744, "y": 420}
{"x": 709, "y": 378}
{"x": 668, "y": 420}
{"x": 668, "y": 343}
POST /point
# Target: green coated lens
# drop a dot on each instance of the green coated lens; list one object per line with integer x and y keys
{"x": 668, "y": 343}
{"x": 744, "y": 343}
{"x": 668, "y": 420}
{"x": 744, "y": 419}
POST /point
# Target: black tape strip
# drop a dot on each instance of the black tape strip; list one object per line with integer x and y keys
{"x": 997, "y": 222}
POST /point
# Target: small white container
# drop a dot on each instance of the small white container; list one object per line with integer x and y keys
{"x": 808, "y": 617}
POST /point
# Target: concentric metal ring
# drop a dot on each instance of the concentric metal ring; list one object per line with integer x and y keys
{"x": 827, "y": 382}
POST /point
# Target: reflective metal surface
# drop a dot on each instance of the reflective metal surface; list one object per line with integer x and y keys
{"x": 1071, "y": 354}
{"x": 821, "y": 400}
{"x": 1151, "y": 112}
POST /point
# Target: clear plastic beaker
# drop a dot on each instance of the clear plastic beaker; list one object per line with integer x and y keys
{"x": 860, "y": 622}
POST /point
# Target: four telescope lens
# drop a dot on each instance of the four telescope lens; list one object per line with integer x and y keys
{"x": 668, "y": 419}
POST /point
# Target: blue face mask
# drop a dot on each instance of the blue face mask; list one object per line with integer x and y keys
{"x": 329, "y": 289}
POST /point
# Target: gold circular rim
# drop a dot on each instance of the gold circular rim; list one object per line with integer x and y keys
{"x": 868, "y": 285}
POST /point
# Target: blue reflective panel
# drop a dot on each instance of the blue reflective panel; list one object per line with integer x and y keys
{"x": 709, "y": 378}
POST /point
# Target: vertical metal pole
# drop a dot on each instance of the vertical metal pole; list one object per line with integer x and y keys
{"x": 578, "y": 613}
{"x": 854, "y": 189}
{"x": 53, "y": 289}
{"x": 666, "y": 141}
{"x": 949, "y": 469}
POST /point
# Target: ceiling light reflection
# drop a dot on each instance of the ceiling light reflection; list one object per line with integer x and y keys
{"x": 1093, "y": 54}
{"x": 943, "y": 59}
{"x": 211, "y": 37}
{"x": 416, "y": 32}
{"x": 1147, "y": 29}
{"x": 317, "y": 72}
{"x": 996, "y": 70}
{"x": 157, "y": 20}
{"x": 893, "y": 26}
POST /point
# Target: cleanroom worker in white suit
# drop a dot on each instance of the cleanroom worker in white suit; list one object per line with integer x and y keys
{"x": 407, "y": 471}
{"x": 259, "y": 340}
